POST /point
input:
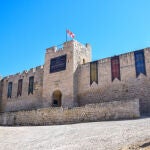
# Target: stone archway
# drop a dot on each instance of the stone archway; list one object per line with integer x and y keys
{"x": 57, "y": 98}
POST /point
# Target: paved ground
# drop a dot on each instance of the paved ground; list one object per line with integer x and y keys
{"x": 108, "y": 135}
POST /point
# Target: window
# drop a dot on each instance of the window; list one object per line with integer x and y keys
{"x": 19, "y": 92}
{"x": 115, "y": 67}
{"x": 9, "y": 93}
{"x": 31, "y": 84}
{"x": 139, "y": 62}
{"x": 94, "y": 72}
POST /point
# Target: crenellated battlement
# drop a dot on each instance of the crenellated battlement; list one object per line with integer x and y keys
{"x": 69, "y": 44}
{"x": 81, "y": 46}
{"x": 123, "y": 57}
{"x": 25, "y": 72}
{"x": 61, "y": 47}
{"x": 105, "y": 60}
{"x": 69, "y": 78}
{"x": 51, "y": 49}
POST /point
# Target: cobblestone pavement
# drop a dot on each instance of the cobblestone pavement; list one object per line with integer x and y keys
{"x": 106, "y": 135}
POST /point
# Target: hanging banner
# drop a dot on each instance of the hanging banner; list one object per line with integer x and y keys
{"x": 139, "y": 62}
{"x": 115, "y": 67}
{"x": 94, "y": 72}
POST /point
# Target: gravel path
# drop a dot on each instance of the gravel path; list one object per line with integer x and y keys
{"x": 107, "y": 135}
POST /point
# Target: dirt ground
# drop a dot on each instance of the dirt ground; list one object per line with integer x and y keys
{"x": 106, "y": 135}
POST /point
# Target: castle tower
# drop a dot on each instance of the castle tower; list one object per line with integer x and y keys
{"x": 60, "y": 73}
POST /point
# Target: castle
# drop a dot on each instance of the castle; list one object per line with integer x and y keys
{"x": 70, "y": 79}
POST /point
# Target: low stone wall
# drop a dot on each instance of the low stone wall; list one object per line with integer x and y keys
{"x": 91, "y": 112}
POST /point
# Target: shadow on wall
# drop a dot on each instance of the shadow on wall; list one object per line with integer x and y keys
{"x": 120, "y": 91}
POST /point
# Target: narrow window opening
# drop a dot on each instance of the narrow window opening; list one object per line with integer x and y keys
{"x": 19, "y": 92}
{"x": 9, "y": 93}
{"x": 31, "y": 84}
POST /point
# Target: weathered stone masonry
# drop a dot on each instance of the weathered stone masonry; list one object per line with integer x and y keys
{"x": 58, "y": 115}
{"x": 24, "y": 101}
{"x": 128, "y": 87}
{"x": 71, "y": 87}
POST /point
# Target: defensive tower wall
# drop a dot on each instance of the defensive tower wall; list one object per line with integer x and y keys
{"x": 59, "y": 84}
{"x": 129, "y": 85}
{"x": 69, "y": 78}
{"x": 24, "y": 100}
{"x": 1, "y": 82}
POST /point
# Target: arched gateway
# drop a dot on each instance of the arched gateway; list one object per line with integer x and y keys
{"x": 57, "y": 98}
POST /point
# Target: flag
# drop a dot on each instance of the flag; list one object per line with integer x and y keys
{"x": 72, "y": 35}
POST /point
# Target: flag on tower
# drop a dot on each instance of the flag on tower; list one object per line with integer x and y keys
{"x": 71, "y": 34}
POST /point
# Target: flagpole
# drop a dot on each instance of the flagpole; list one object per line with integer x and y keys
{"x": 66, "y": 35}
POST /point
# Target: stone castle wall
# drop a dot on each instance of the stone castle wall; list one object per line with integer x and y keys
{"x": 82, "y": 55}
{"x": 65, "y": 80}
{"x": 128, "y": 87}
{"x": 74, "y": 81}
{"x": 24, "y": 101}
{"x": 94, "y": 112}
{"x": 1, "y": 95}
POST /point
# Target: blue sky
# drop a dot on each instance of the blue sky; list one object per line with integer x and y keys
{"x": 28, "y": 27}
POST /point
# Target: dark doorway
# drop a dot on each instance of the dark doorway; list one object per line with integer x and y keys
{"x": 57, "y": 98}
